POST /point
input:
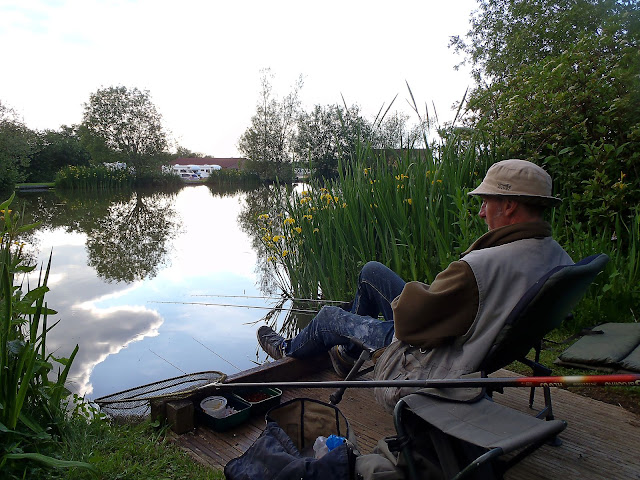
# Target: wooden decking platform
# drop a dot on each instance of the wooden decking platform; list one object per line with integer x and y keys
{"x": 601, "y": 440}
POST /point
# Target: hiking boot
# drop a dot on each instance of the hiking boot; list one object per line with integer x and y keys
{"x": 271, "y": 342}
{"x": 341, "y": 360}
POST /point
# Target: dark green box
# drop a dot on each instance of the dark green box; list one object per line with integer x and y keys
{"x": 221, "y": 424}
{"x": 260, "y": 406}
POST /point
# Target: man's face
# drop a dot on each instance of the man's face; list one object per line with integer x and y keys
{"x": 492, "y": 211}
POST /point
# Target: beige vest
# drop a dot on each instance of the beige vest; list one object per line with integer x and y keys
{"x": 503, "y": 274}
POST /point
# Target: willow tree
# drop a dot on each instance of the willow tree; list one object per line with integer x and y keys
{"x": 267, "y": 142}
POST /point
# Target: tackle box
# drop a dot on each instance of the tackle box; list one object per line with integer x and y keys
{"x": 241, "y": 414}
{"x": 261, "y": 399}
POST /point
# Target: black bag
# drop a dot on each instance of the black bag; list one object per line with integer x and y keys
{"x": 284, "y": 450}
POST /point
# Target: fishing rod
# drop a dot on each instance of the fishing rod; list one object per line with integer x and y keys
{"x": 619, "y": 380}
{"x": 294, "y": 299}
{"x": 296, "y": 310}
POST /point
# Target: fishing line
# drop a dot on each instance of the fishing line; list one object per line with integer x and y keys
{"x": 296, "y": 310}
{"x": 221, "y": 358}
{"x": 318, "y": 300}
{"x": 179, "y": 369}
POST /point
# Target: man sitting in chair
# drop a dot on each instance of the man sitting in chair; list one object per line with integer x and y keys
{"x": 445, "y": 329}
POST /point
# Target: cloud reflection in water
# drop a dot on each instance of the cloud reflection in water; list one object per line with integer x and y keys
{"x": 127, "y": 341}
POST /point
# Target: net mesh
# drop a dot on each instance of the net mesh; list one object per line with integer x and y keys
{"x": 135, "y": 402}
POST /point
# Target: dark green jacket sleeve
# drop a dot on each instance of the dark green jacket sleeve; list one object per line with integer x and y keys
{"x": 428, "y": 315}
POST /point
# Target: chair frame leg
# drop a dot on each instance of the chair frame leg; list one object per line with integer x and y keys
{"x": 406, "y": 450}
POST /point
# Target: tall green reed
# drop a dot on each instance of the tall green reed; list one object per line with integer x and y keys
{"x": 31, "y": 405}
{"x": 614, "y": 296}
{"x": 408, "y": 210}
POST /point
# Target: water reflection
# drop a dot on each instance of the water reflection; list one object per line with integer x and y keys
{"x": 107, "y": 274}
{"x": 128, "y": 234}
{"x": 130, "y": 241}
{"x": 287, "y": 317}
{"x": 265, "y": 200}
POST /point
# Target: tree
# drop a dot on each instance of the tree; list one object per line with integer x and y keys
{"x": 394, "y": 132}
{"x": 558, "y": 84}
{"x": 55, "y": 150}
{"x": 328, "y": 134}
{"x": 121, "y": 124}
{"x": 267, "y": 143}
{"x": 17, "y": 143}
{"x": 508, "y": 34}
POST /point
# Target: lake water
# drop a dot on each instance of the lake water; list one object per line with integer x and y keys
{"x": 115, "y": 257}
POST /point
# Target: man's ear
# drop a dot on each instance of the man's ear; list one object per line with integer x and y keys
{"x": 510, "y": 207}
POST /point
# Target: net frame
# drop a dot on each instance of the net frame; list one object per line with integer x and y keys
{"x": 136, "y": 402}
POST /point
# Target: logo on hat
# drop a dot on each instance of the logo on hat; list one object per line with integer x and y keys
{"x": 504, "y": 186}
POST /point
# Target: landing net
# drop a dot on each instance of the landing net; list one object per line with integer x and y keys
{"x": 135, "y": 403}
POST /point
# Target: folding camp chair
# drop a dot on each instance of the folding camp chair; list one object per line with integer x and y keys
{"x": 482, "y": 429}
{"x": 540, "y": 310}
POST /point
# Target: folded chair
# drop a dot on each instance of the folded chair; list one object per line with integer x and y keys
{"x": 466, "y": 438}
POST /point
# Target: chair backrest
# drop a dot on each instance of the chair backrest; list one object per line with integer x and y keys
{"x": 541, "y": 309}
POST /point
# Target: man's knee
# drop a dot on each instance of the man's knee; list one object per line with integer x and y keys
{"x": 372, "y": 270}
{"x": 326, "y": 314}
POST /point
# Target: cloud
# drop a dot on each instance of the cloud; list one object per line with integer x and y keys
{"x": 201, "y": 60}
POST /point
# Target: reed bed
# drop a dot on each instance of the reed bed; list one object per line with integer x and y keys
{"x": 411, "y": 212}
{"x": 95, "y": 177}
{"x": 233, "y": 177}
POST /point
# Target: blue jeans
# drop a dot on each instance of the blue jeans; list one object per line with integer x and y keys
{"x": 377, "y": 287}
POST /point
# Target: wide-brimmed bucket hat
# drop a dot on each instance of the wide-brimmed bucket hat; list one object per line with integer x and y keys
{"x": 518, "y": 178}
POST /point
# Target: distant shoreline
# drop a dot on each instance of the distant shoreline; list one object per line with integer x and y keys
{"x": 34, "y": 187}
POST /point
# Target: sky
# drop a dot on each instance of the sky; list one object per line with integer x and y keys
{"x": 201, "y": 60}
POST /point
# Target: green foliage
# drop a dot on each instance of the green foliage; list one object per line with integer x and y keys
{"x": 231, "y": 177}
{"x": 134, "y": 452}
{"x": 158, "y": 179}
{"x": 415, "y": 216}
{"x": 327, "y": 134}
{"x": 93, "y": 178}
{"x": 508, "y": 34}
{"x": 615, "y": 294}
{"x": 17, "y": 143}
{"x": 412, "y": 214}
{"x": 563, "y": 91}
{"x": 123, "y": 125}
{"x": 55, "y": 150}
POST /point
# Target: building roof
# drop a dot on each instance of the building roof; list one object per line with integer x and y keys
{"x": 223, "y": 162}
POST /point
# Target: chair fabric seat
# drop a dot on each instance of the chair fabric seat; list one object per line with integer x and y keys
{"x": 483, "y": 423}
